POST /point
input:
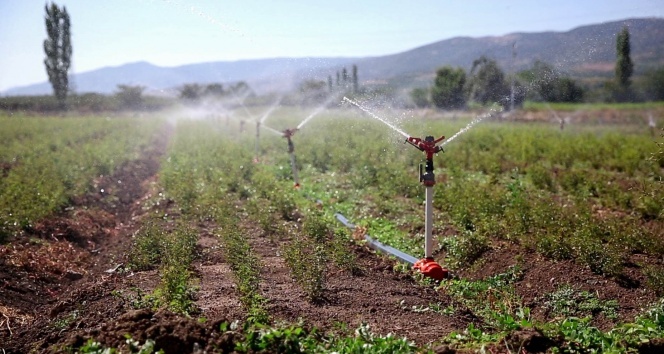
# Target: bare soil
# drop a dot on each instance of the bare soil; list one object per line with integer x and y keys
{"x": 61, "y": 282}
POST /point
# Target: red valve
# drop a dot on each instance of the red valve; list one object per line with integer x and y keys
{"x": 431, "y": 269}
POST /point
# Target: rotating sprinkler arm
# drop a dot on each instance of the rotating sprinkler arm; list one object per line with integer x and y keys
{"x": 288, "y": 133}
{"x": 428, "y": 145}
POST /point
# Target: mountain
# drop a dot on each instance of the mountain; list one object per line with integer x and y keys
{"x": 584, "y": 52}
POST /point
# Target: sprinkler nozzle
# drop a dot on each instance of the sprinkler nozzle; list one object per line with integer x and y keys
{"x": 288, "y": 133}
{"x": 428, "y": 145}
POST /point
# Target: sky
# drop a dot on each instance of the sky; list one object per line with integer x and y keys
{"x": 176, "y": 32}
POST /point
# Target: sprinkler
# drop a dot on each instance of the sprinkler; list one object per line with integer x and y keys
{"x": 257, "y": 145}
{"x": 427, "y": 265}
{"x": 288, "y": 133}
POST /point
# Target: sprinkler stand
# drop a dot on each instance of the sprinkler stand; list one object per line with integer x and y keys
{"x": 288, "y": 133}
{"x": 258, "y": 136}
{"x": 427, "y": 265}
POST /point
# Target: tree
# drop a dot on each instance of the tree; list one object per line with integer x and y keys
{"x": 355, "y": 83}
{"x": 420, "y": 97}
{"x": 329, "y": 83}
{"x": 624, "y": 65}
{"x": 190, "y": 92}
{"x": 130, "y": 96}
{"x": 548, "y": 85}
{"x": 654, "y": 84}
{"x": 344, "y": 76}
{"x": 241, "y": 88}
{"x": 487, "y": 83}
{"x": 313, "y": 91}
{"x": 214, "y": 90}
{"x": 58, "y": 50}
{"x": 448, "y": 88}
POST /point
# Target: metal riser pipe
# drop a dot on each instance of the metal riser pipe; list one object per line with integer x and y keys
{"x": 296, "y": 178}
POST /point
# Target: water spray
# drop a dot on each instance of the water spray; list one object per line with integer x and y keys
{"x": 288, "y": 134}
{"x": 427, "y": 265}
{"x": 259, "y": 122}
{"x": 365, "y": 110}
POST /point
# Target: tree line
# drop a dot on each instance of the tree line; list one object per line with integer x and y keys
{"x": 486, "y": 83}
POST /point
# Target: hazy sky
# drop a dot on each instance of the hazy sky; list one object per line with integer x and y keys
{"x": 175, "y": 32}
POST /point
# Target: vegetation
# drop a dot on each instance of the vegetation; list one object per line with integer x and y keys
{"x": 448, "y": 88}
{"x": 130, "y": 97}
{"x": 547, "y": 85}
{"x": 487, "y": 84}
{"x": 45, "y": 163}
{"x": 562, "y": 195}
{"x": 58, "y": 49}
{"x": 624, "y": 66}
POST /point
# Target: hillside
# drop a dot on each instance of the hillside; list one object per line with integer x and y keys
{"x": 582, "y": 52}
{"x": 587, "y": 51}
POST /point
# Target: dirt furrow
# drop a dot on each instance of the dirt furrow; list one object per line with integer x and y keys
{"x": 379, "y": 297}
{"x": 217, "y": 296}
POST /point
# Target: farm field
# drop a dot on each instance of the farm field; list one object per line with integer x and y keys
{"x": 182, "y": 232}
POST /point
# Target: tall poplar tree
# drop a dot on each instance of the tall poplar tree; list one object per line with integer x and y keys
{"x": 57, "y": 47}
{"x": 355, "y": 80}
{"x": 624, "y": 65}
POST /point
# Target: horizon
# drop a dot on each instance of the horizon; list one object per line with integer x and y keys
{"x": 172, "y": 33}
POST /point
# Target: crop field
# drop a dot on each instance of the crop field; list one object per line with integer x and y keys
{"x": 184, "y": 232}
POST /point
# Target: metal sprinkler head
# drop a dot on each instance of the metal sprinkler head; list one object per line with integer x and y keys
{"x": 288, "y": 133}
{"x": 428, "y": 145}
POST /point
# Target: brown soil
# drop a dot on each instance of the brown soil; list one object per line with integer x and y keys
{"x": 61, "y": 283}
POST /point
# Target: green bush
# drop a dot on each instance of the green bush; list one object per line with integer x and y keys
{"x": 308, "y": 263}
{"x": 148, "y": 247}
{"x": 464, "y": 250}
{"x": 600, "y": 258}
{"x": 567, "y": 301}
{"x": 541, "y": 178}
{"x": 655, "y": 278}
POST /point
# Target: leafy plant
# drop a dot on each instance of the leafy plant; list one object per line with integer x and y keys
{"x": 147, "y": 247}
{"x": 569, "y": 302}
{"x": 308, "y": 263}
{"x": 464, "y": 250}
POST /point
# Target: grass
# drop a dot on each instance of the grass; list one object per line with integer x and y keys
{"x": 538, "y": 106}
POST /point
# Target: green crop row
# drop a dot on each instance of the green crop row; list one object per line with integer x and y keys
{"x": 172, "y": 253}
{"x": 44, "y": 163}
{"x": 200, "y": 174}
